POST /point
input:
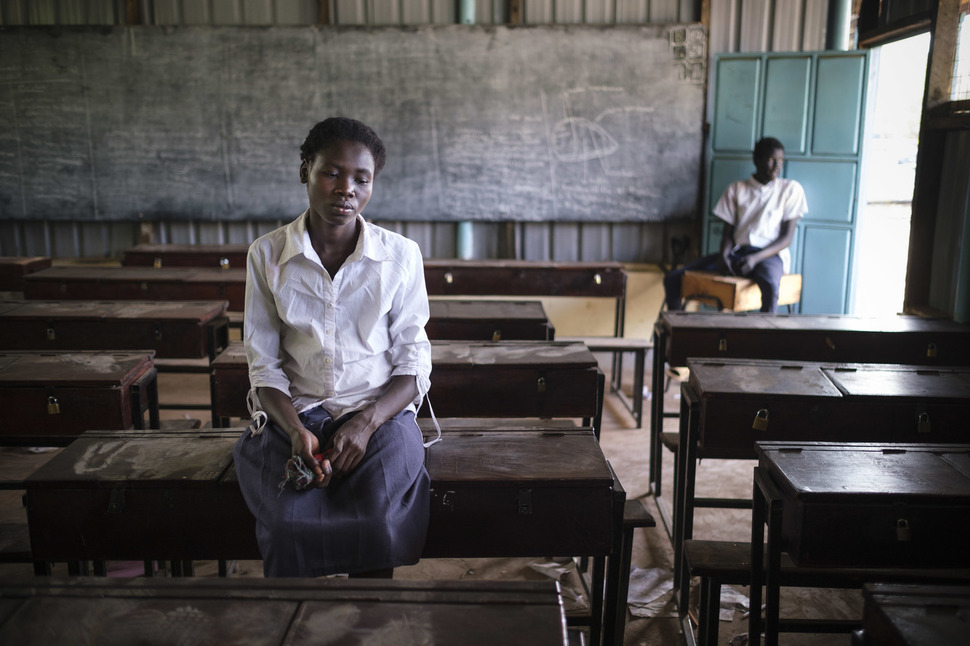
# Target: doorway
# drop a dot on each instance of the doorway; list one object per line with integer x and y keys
{"x": 888, "y": 176}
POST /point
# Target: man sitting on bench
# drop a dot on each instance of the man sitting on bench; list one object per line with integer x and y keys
{"x": 339, "y": 361}
{"x": 760, "y": 214}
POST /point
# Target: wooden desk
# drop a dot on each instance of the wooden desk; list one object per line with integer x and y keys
{"x": 137, "y": 283}
{"x": 914, "y": 615}
{"x": 897, "y": 339}
{"x": 489, "y": 320}
{"x": 49, "y": 398}
{"x": 856, "y": 505}
{"x": 213, "y": 256}
{"x": 14, "y": 268}
{"x": 728, "y": 405}
{"x": 274, "y": 612}
{"x": 174, "y": 329}
{"x": 174, "y": 495}
{"x": 469, "y": 379}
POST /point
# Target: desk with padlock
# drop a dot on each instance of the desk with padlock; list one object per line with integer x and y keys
{"x": 728, "y": 405}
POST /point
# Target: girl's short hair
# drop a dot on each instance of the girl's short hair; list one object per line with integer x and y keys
{"x": 334, "y": 129}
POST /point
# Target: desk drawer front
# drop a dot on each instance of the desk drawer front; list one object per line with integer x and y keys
{"x": 513, "y": 392}
{"x": 62, "y": 411}
{"x": 129, "y": 523}
{"x": 879, "y": 534}
{"x": 169, "y": 339}
{"x": 484, "y": 330}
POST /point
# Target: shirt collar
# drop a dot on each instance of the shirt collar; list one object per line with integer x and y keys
{"x": 758, "y": 185}
{"x": 297, "y": 243}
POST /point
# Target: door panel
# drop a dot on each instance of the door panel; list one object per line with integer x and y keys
{"x": 825, "y": 258}
{"x": 838, "y": 101}
{"x": 786, "y": 101}
{"x": 830, "y": 188}
{"x": 737, "y": 101}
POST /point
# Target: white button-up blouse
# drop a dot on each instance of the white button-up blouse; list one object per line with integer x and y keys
{"x": 338, "y": 342}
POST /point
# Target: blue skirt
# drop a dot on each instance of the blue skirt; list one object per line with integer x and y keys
{"x": 374, "y": 518}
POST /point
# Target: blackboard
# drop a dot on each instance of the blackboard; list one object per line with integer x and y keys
{"x": 481, "y": 122}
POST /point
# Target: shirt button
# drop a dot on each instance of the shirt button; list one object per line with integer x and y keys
{"x": 328, "y": 360}
{"x": 330, "y": 393}
{"x": 329, "y": 332}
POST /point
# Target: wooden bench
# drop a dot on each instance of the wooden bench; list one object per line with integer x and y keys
{"x": 734, "y": 293}
{"x": 719, "y": 563}
{"x": 174, "y": 496}
{"x": 617, "y": 346}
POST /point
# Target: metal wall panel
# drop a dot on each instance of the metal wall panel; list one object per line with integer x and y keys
{"x": 724, "y": 29}
{"x": 196, "y": 13}
{"x": 258, "y": 12}
{"x": 787, "y": 32}
{"x": 383, "y": 12}
{"x": 165, "y": 12}
{"x": 755, "y": 26}
{"x": 665, "y": 11}
{"x": 632, "y": 11}
{"x": 538, "y": 12}
{"x": 565, "y": 241}
{"x": 816, "y": 15}
{"x": 349, "y": 12}
{"x": 226, "y": 12}
{"x": 297, "y": 12}
{"x": 567, "y": 12}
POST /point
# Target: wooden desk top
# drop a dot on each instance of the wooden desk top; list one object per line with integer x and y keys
{"x": 915, "y": 615}
{"x": 273, "y": 612}
{"x": 200, "y": 311}
{"x": 105, "y": 369}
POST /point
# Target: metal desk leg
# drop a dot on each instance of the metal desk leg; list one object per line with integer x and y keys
{"x": 684, "y": 492}
{"x": 617, "y": 573}
{"x": 766, "y": 510}
{"x": 657, "y": 407}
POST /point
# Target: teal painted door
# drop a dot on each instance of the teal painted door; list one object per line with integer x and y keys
{"x": 814, "y": 103}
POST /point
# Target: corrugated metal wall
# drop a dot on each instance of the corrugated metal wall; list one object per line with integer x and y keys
{"x": 751, "y": 25}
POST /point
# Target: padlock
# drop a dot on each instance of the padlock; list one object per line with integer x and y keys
{"x": 830, "y": 343}
{"x": 722, "y": 344}
{"x": 497, "y": 335}
{"x": 53, "y": 408}
{"x": 157, "y": 263}
{"x": 541, "y": 384}
{"x": 449, "y": 279}
{"x": 902, "y": 530}
{"x": 931, "y": 350}
{"x": 223, "y": 263}
{"x": 597, "y": 279}
{"x": 923, "y": 422}
{"x": 760, "y": 422}
{"x": 51, "y": 334}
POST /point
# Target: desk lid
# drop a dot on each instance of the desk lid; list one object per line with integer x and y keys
{"x": 140, "y": 459}
{"x": 559, "y": 458}
{"x": 869, "y": 472}
{"x": 532, "y": 354}
{"x": 896, "y": 381}
{"x": 487, "y": 310}
{"x": 742, "y": 377}
{"x": 202, "y": 311}
{"x": 72, "y": 369}
{"x": 102, "y": 274}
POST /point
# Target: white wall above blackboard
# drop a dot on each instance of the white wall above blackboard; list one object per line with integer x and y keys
{"x": 480, "y": 122}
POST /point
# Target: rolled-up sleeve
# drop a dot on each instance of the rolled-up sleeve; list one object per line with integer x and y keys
{"x": 410, "y": 348}
{"x": 262, "y": 324}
